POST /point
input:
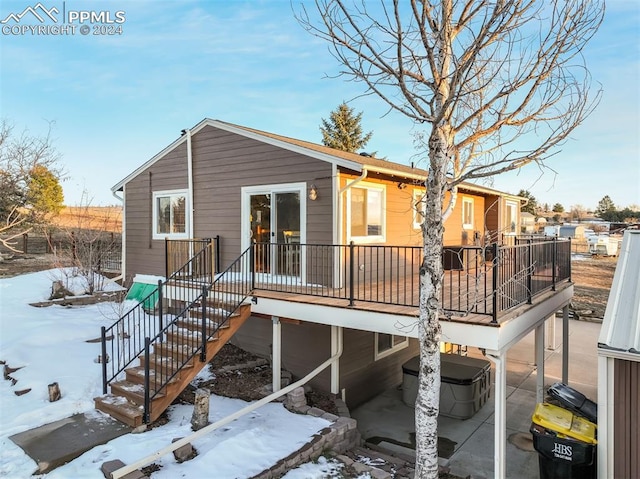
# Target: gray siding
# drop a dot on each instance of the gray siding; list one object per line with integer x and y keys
{"x": 626, "y": 418}
{"x": 143, "y": 254}
{"x": 306, "y": 345}
{"x": 224, "y": 162}
{"x": 362, "y": 376}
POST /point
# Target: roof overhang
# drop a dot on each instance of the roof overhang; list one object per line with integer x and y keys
{"x": 262, "y": 137}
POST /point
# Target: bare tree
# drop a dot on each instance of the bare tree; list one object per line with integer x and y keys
{"x": 498, "y": 84}
{"x": 91, "y": 242}
{"x": 29, "y": 182}
{"x": 577, "y": 213}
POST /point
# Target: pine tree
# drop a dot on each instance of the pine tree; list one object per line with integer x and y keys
{"x": 605, "y": 207}
{"x": 343, "y": 130}
{"x": 532, "y": 204}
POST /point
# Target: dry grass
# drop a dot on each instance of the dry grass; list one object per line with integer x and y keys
{"x": 99, "y": 218}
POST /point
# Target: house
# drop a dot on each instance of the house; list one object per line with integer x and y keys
{"x": 527, "y": 223}
{"x": 316, "y": 252}
{"x": 619, "y": 368}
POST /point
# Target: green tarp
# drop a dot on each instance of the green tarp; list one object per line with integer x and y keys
{"x": 141, "y": 291}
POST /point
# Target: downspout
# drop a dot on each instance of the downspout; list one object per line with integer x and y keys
{"x": 123, "y": 245}
{"x": 123, "y": 471}
{"x": 190, "y": 182}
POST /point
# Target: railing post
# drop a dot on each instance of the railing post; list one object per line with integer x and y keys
{"x": 554, "y": 254}
{"x": 147, "y": 382}
{"x": 217, "y": 254}
{"x": 252, "y": 264}
{"x": 103, "y": 335}
{"x": 569, "y": 262}
{"x": 529, "y": 272}
{"x": 203, "y": 352}
{"x": 160, "y": 319}
{"x": 166, "y": 258}
{"x": 494, "y": 280}
{"x": 351, "y": 272}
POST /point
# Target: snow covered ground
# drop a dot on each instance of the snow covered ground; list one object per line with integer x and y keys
{"x": 50, "y": 345}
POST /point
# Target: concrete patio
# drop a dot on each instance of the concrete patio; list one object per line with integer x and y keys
{"x": 467, "y": 446}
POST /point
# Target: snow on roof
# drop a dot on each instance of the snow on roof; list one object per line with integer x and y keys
{"x": 621, "y": 326}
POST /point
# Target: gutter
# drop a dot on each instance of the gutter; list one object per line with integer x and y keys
{"x": 122, "y": 238}
{"x": 190, "y": 181}
{"x": 123, "y": 471}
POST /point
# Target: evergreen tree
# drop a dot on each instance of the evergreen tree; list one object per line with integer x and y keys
{"x": 343, "y": 130}
{"x": 605, "y": 207}
{"x": 532, "y": 204}
{"x": 558, "y": 208}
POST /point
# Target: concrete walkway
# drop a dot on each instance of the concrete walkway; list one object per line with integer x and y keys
{"x": 467, "y": 445}
{"x": 59, "y": 442}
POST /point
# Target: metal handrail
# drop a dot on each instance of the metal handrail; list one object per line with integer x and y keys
{"x": 217, "y": 302}
{"x": 485, "y": 280}
{"x": 128, "y": 333}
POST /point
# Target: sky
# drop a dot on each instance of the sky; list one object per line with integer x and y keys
{"x": 117, "y": 96}
{"x": 32, "y": 338}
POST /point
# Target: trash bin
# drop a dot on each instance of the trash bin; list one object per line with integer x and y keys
{"x": 574, "y": 401}
{"x": 565, "y": 442}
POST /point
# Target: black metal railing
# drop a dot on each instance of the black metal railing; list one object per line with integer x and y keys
{"x": 124, "y": 340}
{"x": 179, "y": 252}
{"x": 193, "y": 325}
{"x": 477, "y": 280}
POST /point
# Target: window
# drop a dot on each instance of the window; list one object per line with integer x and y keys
{"x": 170, "y": 214}
{"x": 467, "y": 213}
{"x": 366, "y": 212}
{"x": 387, "y": 344}
{"x": 418, "y": 208}
{"x": 512, "y": 216}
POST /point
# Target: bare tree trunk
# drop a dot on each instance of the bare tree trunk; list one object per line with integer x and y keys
{"x": 428, "y": 401}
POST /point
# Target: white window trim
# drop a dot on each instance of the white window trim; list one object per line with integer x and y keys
{"x": 368, "y": 239}
{"x": 154, "y": 219}
{"x": 393, "y": 349}
{"x": 418, "y": 196}
{"x": 515, "y": 206}
{"x": 467, "y": 200}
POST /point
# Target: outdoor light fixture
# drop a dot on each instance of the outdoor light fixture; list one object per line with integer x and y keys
{"x": 401, "y": 185}
{"x": 313, "y": 192}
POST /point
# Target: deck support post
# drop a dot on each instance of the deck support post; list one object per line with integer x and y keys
{"x": 500, "y": 405}
{"x": 336, "y": 341}
{"x": 552, "y": 342}
{"x": 539, "y": 347}
{"x": 276, "y": 353}
{"x": 565, "y": 344}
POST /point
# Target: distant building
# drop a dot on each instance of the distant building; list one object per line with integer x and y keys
{"x": 527, "y": 222}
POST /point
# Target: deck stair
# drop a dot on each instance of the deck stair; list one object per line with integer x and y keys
{"x": 125, "y": 402}
{"x": 158, "y": 347}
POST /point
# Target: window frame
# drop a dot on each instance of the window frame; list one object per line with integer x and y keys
{"x": 381, "y": 238}
{"x": 511, "y": 204}
{"x": 394, "y": 347}
{"x": 418, "y": 198}
{"x": 468, "y": 202}
{"x": 154, "y": 217}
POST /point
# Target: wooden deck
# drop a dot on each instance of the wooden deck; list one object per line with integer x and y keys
{"x": 407, "y": 311}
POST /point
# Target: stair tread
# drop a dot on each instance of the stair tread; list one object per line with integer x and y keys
{"x": 181, "y": 340}
{"x": 133, "y": 392}
{"x": 138, "y": 372}
{"x": 122, "y": 404}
